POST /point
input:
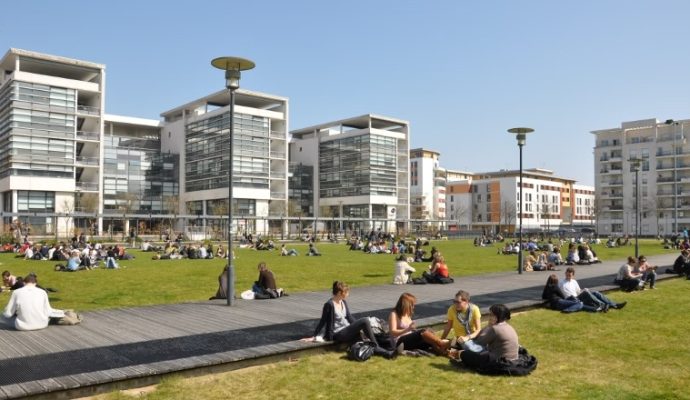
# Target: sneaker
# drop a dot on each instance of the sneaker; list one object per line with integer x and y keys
{"x": 620, "y": 306}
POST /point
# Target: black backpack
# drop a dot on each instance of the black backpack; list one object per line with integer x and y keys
{"x": 524, "y": 365}
{"x": 361, "y": 351}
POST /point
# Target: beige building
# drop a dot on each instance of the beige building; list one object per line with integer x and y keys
{"x": 664, "y": 177}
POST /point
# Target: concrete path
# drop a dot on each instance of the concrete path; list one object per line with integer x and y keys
{"x": 136, "y": 345}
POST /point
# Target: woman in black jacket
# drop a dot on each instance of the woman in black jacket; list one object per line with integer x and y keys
{"x": 341, "y": 327}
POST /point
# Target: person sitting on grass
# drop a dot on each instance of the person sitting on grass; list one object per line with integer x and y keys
{"x": 339, "y": 325}
{"x": 627, "y": 278}
{"x": 648, "y": 271}
{"x": 465, "y": 319}
{"x": 570, "y": 287}
{"x": 8, "y": 280}
{"x": 498, "y": 338}
{"x": 29, "y": 307}
{"x": 553, "y": 294}
{"x": 402, "y": 328}
{"x": 681, "y": 265}
{"x": 74, "y": 263}
{"x": 572, "y": 258}
{"x": 590, "y": 256}
{"x": 265, "y": 286}
{"x": 438, "y": 271}
{"x": 555, "y": 257}
{"x": 403, "y": 271}
{"x": 285, "y": 252}
{"x": 312, "y": 250}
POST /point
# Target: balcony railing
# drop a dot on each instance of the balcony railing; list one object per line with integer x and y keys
{"x": 87, "y": 186}
{"x": 88, "y": 135}
{"x": 277, "y": 135}
{"x": 87, "y": 160}
{"x": 277, "y": 154}
{"x": 88, "y": 110}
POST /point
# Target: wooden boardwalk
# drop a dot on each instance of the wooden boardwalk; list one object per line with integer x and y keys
{"x": 139, "y": 344}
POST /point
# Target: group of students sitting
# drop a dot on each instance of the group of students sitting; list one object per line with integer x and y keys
{"x": 481, "y": 349}
{"x": 437, "y": 271}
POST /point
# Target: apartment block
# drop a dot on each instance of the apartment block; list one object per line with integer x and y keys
{"x": 490, "y": 201}
{"x": 199, "y": 131}
{"x": 663, "y": 178}
{"x": 360, "y": 169}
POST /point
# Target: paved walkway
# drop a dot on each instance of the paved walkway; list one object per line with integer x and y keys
{"x": 140, "y": 343}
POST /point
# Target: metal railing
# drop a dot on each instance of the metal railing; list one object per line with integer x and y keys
{"x": 88, "y": 110}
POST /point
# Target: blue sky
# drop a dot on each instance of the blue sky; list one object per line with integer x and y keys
{"x": 461, "y": 72}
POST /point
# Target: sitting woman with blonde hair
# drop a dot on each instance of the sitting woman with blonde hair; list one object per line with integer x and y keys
{"x": 403, "y": 329}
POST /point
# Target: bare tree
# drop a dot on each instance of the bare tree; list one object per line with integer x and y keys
{"x": 294, "y": 209}
{"x": 88, "y": 203}
{"x": 508, "y": 213}
{"x": 68, "y": 209}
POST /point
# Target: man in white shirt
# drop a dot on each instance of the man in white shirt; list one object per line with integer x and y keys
{"x": 570, "y": 287}
{"x": 29, "y": 307}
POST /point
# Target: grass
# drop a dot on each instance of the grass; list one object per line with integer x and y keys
{"x": 143, "y": 281}
{"x": 639, "y": 352}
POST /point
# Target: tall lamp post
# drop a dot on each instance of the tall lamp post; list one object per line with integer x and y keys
{"x": 635, "y": 165}
{"x": 232, "y": 67}
{"x": 675, "y": 168}
{"x": 521, "y": 136}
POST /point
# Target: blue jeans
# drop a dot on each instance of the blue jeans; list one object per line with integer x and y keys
{"x": 470, "y": 345}
{"x": 569, "y": 305}
{"x": 649, "y": 276}
{"x": 603, "y": 298}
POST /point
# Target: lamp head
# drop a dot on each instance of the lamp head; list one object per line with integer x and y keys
{"x": 635, "y": 163}
{"x": 521, "y": 134}
{"x": 232, "y": 67}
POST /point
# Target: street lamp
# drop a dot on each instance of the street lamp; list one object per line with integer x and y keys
{"x": 635, "y": 165}
{"x": 675, "y": 168}
{"x": 232, "y": 67}
{"x": 521, "y": 136}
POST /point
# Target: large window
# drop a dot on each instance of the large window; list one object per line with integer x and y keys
{"x": 359, "y": 165}
{"x": 207, "y": 152}
{"x": 35, "y": 201}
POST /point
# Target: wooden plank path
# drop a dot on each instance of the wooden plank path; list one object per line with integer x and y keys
{"x": 137, "y": 345}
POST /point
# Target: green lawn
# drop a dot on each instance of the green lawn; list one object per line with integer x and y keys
{"x": 640, "y": 352}
{"x": 144, "y": 282}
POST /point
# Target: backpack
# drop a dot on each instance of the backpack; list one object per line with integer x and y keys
{"x": 524, "y": 365}
{"x": 71, "y": 318}
{"x": 377, "y": 325}
{"x": 361, "y": 351}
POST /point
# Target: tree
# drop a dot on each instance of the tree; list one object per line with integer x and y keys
{"x": 68, "y": 209}
{"x": 294, "y": 209}
{"x": 546, "y": 215}
{"x": 88, "y": 203}
{"x": 508, "y": 213}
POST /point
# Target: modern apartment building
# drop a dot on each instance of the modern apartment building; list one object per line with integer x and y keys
{"x": 427, "y": 186}
{"x": 663, "y": 177}
{"x": 51, "y": 132}
{"x": 199, "y": 132}
{"x": 490, "y": 201}
{"x": 360, "y": 169}
{"x": 61, "y": 154}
